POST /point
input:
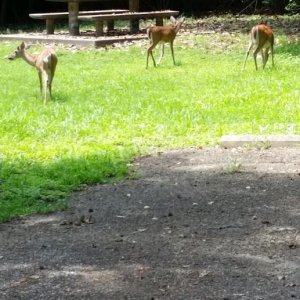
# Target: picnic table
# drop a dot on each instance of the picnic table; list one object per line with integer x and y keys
{"x": 132, "y": 16}
{"x": 50, "y": 18}
{"x": 73, "y": 10}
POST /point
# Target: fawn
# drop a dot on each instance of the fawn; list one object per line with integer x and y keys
{"x": 163, "y": 34}
{"x": 45, "y": 63}
{"x": 262, "y": 37}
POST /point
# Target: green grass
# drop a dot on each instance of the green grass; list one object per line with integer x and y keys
{"x": 108, "y": 108}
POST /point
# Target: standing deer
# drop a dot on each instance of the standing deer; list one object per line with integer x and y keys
{"x": 163, "y": 34}
{"x": 261, "y": 36}
{"x": 45, "y": 63}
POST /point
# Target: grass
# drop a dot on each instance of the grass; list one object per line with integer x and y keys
{"x": 108, "y": 108}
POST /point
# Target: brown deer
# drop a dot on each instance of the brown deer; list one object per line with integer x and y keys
{"x": 45, "y": 63}
{"x": 163, "y": 34}
{"x": 262, "y": 37}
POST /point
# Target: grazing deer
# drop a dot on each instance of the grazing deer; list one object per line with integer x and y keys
{"x": 163, "y": 34}
{"x": 45, "y": 63}
{"x": 261, "y": 36}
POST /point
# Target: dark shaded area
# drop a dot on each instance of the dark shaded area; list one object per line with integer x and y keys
{"x": 16, "y": 12}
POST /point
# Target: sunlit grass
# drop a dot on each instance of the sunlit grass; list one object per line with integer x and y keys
{"x": 108, "y": 108}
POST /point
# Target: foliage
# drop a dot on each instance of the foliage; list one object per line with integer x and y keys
{"x": 275, "y": 5}
{"x": 293, "y": 6}
{"x": 107, "y": 109}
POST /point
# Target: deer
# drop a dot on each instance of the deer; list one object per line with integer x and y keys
{"x": 262, "y": 37}
{"x": 45, "y": 64}
{"x": 163, "y": 34}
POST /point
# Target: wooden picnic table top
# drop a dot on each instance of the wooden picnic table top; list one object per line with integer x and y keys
{"x": 131, "y": 15}
{"x": 56, "y": 15}
{"x": 133, "y": 4}
{"x": 76, "y": 0}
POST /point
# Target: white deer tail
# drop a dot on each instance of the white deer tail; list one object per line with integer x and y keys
{"x": 47, "y": 59}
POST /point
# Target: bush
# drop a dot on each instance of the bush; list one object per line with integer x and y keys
{"x": 293, "y": 6}
{"x": 277, "y": 6}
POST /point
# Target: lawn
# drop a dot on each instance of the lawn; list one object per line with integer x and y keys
{"x": 108, "y": 108}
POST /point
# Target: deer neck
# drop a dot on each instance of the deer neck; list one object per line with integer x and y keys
{"x": 177, "y": 27}
{"x": 30, "y": 59}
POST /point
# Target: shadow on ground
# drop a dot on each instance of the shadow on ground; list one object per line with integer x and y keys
{"x": 196, "y": 224}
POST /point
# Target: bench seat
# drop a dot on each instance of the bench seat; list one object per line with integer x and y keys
{"x": 51, "y": 17}
{"x": 99, "y": 18}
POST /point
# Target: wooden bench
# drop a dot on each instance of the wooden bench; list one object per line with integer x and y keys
{"x": 100, "y": 18}
{"x": 51, "y": 17}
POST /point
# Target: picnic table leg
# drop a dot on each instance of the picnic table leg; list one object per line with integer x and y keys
{"x": 99, "y": 27}
{"x": 110, "y": 25}
{"x": 159, "y": 21}
{"x": 50, "y": 26}
{"x": 134, "y": 5}
{"x": 73, "y": 18}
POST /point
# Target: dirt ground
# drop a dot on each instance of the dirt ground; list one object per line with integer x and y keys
{"x": 195, "y": 224}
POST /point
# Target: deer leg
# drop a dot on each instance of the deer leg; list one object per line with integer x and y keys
{"x": 154, "y": 63}
{"x": 161, "y": 53}
{"x": 52, "y": 72}
{"x": 247, "y": 54}
{"x": 272, "y": 54}
{"x": 172, "y": 51}
{"x": 49, "y": 83}
{"x": 41, "y": 83}
{"x": 255, "y": 57}
{"x": 149, "y": 52}
{"x": 266, "y": 57}
{"x": 45, "y": 84}
{"x": 262, "y": 58}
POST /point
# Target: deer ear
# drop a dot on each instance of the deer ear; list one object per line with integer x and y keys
{"x": 22, "y": 46}
{"x": 173, "y": 20}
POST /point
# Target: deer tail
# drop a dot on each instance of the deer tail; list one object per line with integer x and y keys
{"x": 47, "y": 59}
{"x": 255, "y": 33}
{"x": 149, "y": 32}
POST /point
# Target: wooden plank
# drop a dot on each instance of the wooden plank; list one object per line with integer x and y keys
{"x": 84, "y": 42}
{"x": 131, "y": 15}
{"x": 64, "y": 15}
{"x": 105, "y": 11}
{"x": 44, "y": 16}
{"x": 158, "y": 15}
{"x": 66, "y": 1}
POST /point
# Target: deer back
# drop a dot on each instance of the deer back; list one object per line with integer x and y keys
{"x": 262, "y": 36}
{"x": 162, "y": 33}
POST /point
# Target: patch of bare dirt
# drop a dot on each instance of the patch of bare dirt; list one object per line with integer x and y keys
{"x": 195, "y": 224}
